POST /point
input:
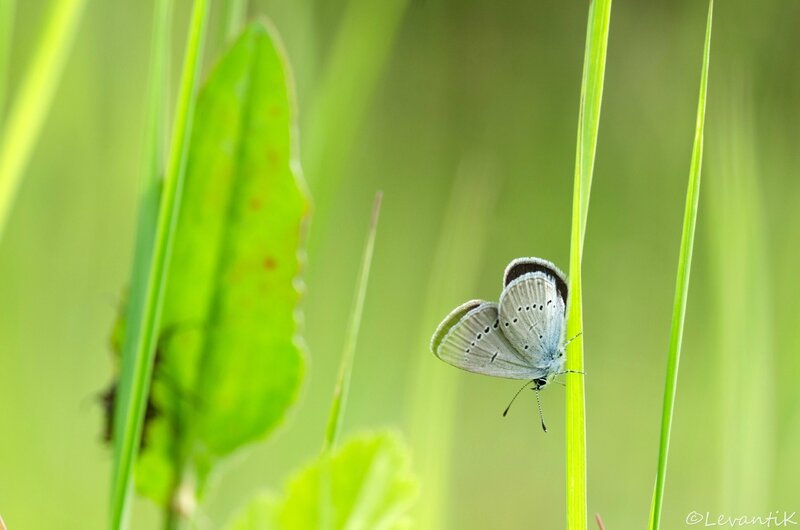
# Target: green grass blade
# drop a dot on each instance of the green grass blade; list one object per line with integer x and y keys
{"x": 34, "y": 96}
{"x": 434, "y": 385}
{"x": 153, "y": 157}
{"x": 588, "y": 123}
{"x": 682, "y": 284}
{"x": 357, "y": 57}
{"x": 138, "y": 361}
{"x": 235, "y": 16}
{"x": 594, "y": 72}
{"x": 7, "y": 8}
{"x": 744, "y": 292}
{"x": 346, "y": 367}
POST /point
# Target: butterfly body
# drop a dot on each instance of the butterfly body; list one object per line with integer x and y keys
{"x": 521, "y": 337}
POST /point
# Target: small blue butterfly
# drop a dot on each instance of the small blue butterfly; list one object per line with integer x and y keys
{"x": 522, "y": 337}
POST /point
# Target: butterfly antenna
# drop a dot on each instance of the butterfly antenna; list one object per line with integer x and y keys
{"x": 515, "y": 397}
{"x": 539, "y": 404}
{"x": 573, "y": 338}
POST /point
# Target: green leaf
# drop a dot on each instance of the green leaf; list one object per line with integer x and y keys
{"x": 229, "y": 365}
{"x": 594, "y": 64}
{"x": 682, "y": 284}
{"x": 365, "y": 484}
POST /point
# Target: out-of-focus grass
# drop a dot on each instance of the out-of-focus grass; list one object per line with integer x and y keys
{"x": 594, "y": 66}
{"x": 346, "y": 367}
{"x": 682, "y": 283}
{"x": 462, "y": 239}
{"x": 357, "y": 56}
{"x": 7, "y": 8}
{"x": 137, "y": 364}
{"x": 235, "y": 16}
{"x": 34, "y": 94}
{"x": 744, "y": 288}
{"x": 152, "y": 167}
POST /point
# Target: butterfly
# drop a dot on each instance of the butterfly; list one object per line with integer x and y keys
{"x": 521, "y": 337}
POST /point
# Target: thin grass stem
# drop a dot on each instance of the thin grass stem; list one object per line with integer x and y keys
{"x": 235, "y": 16}
{"x": 138, "y": 360}
{"x": 7, "y": 9}
{"x": 434, "y": 386}
{"x": 682, "y": 285}
{"x": 34, "y": 96}
{"x": 346, "y": 367}
{"x": 588, "y": 124}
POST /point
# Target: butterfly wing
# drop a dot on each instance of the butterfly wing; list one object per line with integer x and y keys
{"x": 469, "y": 338}
{"x": 533, "y": 307}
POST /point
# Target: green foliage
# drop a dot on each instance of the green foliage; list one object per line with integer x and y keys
{"x": 594, "y": 64}
{"x": 229, "y": 364}
{"x": 26, "y": 116}
{"x": 346, "y": 367}
{"x": 433, "y": 390}
{"x": 150, "y": 275}
{"x": 742, "y": 261}
{"x": 682, "y": 284}
{"x": 365, "y": 484}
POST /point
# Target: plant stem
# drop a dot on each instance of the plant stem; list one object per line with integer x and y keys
{"x": 434, "y": 386}
{"x": 594, "y": 62}
{"x": 34, "y": 96}
{"x": 235, "y": 15}
{"x": 682, "y": 284}
{"x": 357, "y": 57}
{"x": 346, "y": 366}
{"x": 7, "y": 8}
{"x": 138, "y": 360}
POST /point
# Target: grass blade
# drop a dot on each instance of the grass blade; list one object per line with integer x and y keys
{"x": 434, "y": 387}
{"x": 155, "y": 136}
{"x": 7, "y": 8}
{"x": 594, "y": 64}
{"x": 34, "y": 96}
{"x": 744, "y": 286}
{"x": 346, "y": 367}
{"x": 357, "y": 57}
{"x": 138, "y": 360}
{"x": 235, "y": 16}
{"x": 682, "y": 284}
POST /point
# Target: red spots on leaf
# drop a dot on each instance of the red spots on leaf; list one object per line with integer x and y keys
{"x": 269, "y": 263}
{"x": 255, "y": 204}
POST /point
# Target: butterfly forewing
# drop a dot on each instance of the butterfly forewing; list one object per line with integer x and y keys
{"x": 532, "y": 312}
{"x": 470, "y": 338}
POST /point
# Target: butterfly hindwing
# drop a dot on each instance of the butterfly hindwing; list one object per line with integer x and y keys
{"x": 532, "y": 307}
{"x": 470, "y": 338}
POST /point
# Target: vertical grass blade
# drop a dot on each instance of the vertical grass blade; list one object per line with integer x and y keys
{"x": 152, "y": 167}
{"x": 358, "y": 54}
{"x": 594, "y": 65}
{"x": 682, "y": 284}
{"x": 138, "y": 360}
{"x": 346, "y": 366}
{"x": 34, "y": 96}
{"x": 434, "y": 386}
{"x": 744, "y": 288}
{"x": 7, "y": 8}
{"x": 235, "y": 16}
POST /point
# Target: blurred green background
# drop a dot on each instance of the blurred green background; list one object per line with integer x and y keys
{"x": 469, "y": 107}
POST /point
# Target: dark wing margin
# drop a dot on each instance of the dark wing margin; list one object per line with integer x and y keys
{"x": 522, "y": 266}
{"x": 451, "y": 320}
